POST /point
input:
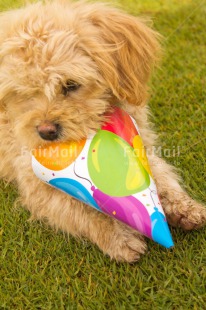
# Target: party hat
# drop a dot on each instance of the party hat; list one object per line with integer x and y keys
{"x": 110, "y": 172}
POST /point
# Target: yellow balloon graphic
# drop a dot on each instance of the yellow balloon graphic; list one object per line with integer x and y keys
{"x": 58, "y": 155}
{"x": 141, "y": 153}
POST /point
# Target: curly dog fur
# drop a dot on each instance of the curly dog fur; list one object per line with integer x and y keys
{"x": 109, "y": 55}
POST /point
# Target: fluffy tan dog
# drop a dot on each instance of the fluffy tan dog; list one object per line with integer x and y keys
{"x": 62, "y": 66}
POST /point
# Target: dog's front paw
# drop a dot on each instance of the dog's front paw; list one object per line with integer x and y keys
{"x": 126, "y": 244}
{"x": 185, "y": 212}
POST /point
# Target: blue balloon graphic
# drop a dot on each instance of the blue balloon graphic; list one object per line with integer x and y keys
{"x": 74, "y": 189}
{"x": 160, "y": 229}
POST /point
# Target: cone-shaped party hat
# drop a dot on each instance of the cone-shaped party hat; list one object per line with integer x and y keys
{"x": 110, "y": 172}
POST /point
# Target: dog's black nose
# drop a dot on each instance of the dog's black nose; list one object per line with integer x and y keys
{"x": 49, "y": 131}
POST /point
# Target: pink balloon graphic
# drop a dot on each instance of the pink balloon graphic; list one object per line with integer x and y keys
{"x": 126, "y": 209}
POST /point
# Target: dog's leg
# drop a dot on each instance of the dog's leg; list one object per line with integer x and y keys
{"x": 181, "y": 210}
{"x": 63, "y": 212}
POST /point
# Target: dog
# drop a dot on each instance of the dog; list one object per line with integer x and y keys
{"x": 63, "y": 65}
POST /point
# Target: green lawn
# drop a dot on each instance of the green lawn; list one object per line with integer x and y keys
{"x": 41, "y": 270}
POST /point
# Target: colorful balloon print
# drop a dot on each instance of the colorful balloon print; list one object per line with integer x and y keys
{"x": 75, "y": 189}
{"x": 112, "y": 175}
{"x": 128, "y": 209}
{"x": 120, "y": 123}
{"x": 141, "y": 153}
{"x": 114, "y": 167}
{"x": 57, "y": 156}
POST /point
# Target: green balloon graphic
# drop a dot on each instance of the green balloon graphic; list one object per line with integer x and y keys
{"x": 114, "y": 167}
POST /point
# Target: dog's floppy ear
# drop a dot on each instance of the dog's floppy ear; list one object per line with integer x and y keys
{"x": 128, "y": 52}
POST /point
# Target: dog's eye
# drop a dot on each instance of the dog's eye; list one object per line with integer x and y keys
{"x": 70, "y": 86}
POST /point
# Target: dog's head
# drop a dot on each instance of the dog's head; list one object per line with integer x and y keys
{"x": 63, "y": 65}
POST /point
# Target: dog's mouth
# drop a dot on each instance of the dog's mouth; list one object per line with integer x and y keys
{"x": 53, "y": 131}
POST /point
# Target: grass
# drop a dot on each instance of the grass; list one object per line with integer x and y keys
{"x": 41, "y": 270}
